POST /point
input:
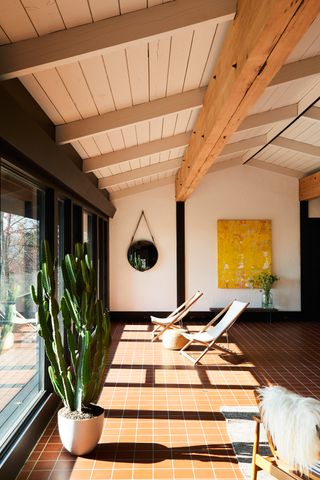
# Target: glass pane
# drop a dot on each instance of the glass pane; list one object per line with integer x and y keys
{"x": 87, "y": 229}
{"x": 21, "y": 353}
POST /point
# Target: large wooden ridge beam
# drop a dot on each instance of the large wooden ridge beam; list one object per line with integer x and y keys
{"x": 309, "y": 187}
{"x": 74, "y": 44}
{"x": 260, "y": 39}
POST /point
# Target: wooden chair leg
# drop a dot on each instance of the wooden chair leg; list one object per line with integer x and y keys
{"x": 202, "y": 354}
{"x": 254, "y": 466}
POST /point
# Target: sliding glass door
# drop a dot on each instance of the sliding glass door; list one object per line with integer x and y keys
{"x": 21, "y": 354}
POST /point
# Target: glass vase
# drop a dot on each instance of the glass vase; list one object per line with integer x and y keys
{"x": 266, "y": 299}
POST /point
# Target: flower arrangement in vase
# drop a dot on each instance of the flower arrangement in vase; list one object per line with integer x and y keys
{"x": 264, "y": 281}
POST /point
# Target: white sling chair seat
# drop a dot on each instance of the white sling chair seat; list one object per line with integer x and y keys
{"x": 163, "y": 324}
{"x": 209, "y": 335}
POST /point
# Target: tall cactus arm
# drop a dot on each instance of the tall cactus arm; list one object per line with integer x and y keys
{"x": 70, "y": 337}
{"x": 101, "y": 354}
{"x": 57, "y": 387}
{"x": 83, "y": 369}
{"x": 59, "y": 352}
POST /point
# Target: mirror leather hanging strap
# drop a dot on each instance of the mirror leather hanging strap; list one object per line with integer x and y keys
{"x": 145, "y": 219}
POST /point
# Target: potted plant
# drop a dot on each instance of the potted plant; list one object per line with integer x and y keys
{"x": 264, "y": 281}
{"x": 87, "y": 329}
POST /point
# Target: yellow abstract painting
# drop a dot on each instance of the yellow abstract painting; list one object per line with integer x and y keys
{"x": 244, "y": 249}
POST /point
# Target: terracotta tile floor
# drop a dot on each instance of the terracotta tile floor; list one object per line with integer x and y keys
{"x": 163, "y": 415}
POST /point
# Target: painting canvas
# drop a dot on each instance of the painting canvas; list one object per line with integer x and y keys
{"x": 244, "y": 249}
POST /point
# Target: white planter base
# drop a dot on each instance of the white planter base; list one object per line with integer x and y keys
{"x": 80, "y": 437}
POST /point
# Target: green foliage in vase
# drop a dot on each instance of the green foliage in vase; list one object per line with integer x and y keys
{"x": 86, "y": 324}
{"x": 263, "y": 280}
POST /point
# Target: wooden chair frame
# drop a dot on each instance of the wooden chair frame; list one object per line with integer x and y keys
{"x": 174, "y": 318}
{"x": 270, "y": 464}
{"x": 211, "y": 345}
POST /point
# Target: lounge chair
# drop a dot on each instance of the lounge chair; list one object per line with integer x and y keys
{"x": 163, "y": 324}
{"x": 291, "y": 423}
{"x": 209, "y": 335}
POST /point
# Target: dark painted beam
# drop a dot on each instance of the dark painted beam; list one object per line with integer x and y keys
{"x": 180, "y": 240}
{"x": 24, "y": 134}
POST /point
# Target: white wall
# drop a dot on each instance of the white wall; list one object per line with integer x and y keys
{"x": 243, "y": 193}
{"x": 154, "y": 289}
{"x": 234, "y": 193}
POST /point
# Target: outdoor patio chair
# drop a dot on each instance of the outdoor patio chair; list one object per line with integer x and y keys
{"x": 175, "y": 318}
{"x": 291, "y": 423}
{"x": 209, "y": 335}
{"x": 18, "y": 319}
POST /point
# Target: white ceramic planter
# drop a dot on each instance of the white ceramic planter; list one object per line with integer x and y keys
{"x": 80, "y": 436}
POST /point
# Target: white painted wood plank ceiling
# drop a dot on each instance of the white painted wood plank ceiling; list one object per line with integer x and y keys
{"x": 144, "y": 72}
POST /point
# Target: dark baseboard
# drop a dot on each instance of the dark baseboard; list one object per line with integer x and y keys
{"x": 204, "y": 317}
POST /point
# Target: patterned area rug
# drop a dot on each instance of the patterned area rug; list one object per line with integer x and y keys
{"x": 241, "y": 427}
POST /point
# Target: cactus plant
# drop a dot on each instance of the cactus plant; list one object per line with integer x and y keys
{"x": 86, "y": 324}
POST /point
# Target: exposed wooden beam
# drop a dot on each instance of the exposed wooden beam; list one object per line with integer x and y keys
{"x": 143, "y": 187}
{"x": 271, "y": 167}
{"x": 260, "y": 39}
{"x": 77, "y": 43}
{"x": 73, "y": 131}
{"x": 296, "y": 70}
{"x": 302, "y": 147}
{"x": 268, "y": 117}
{"x": 139, "y": 173}
{"x": 313, "y": 113}
{"x": 132, "y": 153}
{"x": 309, "y": 187}
{"x": 245, "y": 144}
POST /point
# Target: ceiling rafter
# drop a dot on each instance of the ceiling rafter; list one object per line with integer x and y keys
{"x": 313, "y": 113}
{"x": 266, "y": 33}
{"x": 143, "y": 187}
{"x": 269, "y": 116}
{"x": 271, "y": 167}
{"x": 245, "y": 144}
{"x": 125, "y": 117}
{"x": 191, "y": 100}
{"x": 132, "y": 153}
{"x": 297, "y": 70}
{"x": 138, "y": 173}
{"x": 232, "y": 162}
{"x": 297, "y": 146}
{"x": 74, "y": 44}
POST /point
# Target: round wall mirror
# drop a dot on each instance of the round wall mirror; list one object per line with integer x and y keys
{"x": 142, "y": 255}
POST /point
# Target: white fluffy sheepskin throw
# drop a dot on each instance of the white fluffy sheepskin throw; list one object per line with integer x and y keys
{"x": 292, "y": 422}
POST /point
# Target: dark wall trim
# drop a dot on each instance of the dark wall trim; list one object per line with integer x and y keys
{"x": 310, "y": 261}
{"x": 304, "y": 255}
{"x": 22, "y": 133}
{"x": 204, "y": 317}
{"x": 30, "y": 431}
{"x": 106, "y": 264}
{"x": 180, "y": 240}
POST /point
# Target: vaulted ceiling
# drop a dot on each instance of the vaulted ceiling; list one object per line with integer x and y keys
{"x": 124, "y": 82}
